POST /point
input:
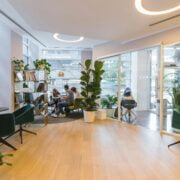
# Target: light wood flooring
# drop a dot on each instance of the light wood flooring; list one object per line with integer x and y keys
{"x": 104, "y": 150}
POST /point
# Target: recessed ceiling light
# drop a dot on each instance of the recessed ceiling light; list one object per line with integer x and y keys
{"x": 141, "y": 9}
{"x": 56, "y": 36}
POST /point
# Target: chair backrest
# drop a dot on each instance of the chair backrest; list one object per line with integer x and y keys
{"x": 129, "y": 103}
{"x": 24, "y": 114}
{"x": 7, "y": 124}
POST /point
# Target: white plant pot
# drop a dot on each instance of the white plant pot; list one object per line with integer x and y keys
{"x": 101, "y": 114}
{"x": 89, "y": 116}
{"x": 110, "y": 112}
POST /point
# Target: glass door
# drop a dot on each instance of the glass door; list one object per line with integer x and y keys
{"x": 171, "y": 90}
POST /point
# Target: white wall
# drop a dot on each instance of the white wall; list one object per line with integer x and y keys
{"x": 5, "y": 67}
{"x": 17, "y": 53}
{"x": 16, "y": 46}
{"x": 10, "y": 46}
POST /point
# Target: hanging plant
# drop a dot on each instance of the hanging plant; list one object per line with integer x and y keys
{"x": 42, "y": 64}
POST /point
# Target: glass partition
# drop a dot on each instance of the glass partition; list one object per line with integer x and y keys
{"x": 110, "y": 81}
{"x": 171, "y": 89}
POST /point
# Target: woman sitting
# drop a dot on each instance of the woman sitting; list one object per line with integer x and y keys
{"x": 75, "y": 92}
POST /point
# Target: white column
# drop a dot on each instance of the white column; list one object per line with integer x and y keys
{"x": 5, "y": 67}
{"x": 140, "y": 79}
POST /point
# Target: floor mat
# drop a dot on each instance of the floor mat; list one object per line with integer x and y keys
{"x": 51, "y": 120}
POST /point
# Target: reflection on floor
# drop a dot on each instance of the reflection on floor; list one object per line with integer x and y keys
{"x": 148, "y": 120}
{"x": 151, "y": 121}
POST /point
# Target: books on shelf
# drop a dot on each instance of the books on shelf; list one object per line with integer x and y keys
{"x": 30, "y": 76}
{"x": 18, "y": 76}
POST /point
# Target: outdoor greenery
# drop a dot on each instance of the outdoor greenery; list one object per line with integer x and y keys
{"x": 176, "y": 98}
{"x": 2, "y": 162}
{"x": 109, "y": 101}
{"x": 172, "y": 80}
{"x": 91, "y": 84}
{"x": 42, "y": 64}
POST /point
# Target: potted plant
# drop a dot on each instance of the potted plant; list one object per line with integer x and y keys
{"x": 42, "y": 64}
{"x": 2, "y": 162}
{"x": 91, "y": 88}
{"x": 108, "y": 102}
{"x": 19, "y": 65}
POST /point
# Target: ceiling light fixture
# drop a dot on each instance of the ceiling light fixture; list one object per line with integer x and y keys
{"x": 141, "y": 9}
{"x": 56, "y": 36}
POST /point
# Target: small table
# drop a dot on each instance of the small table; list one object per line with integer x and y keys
{"x": 3, "y": 109}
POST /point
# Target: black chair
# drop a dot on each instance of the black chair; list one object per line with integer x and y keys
{"x": 22, "y": 116}
{"x": 129, "y": 104}
{"x": 7, "y": 128}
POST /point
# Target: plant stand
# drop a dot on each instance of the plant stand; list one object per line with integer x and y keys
{"x": 178, "y": 142}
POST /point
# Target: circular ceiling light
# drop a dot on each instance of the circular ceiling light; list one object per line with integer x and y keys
{"x": 56, "y": 36}
{"x": 141, "y": 9}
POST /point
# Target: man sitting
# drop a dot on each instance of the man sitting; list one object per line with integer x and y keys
{"x": 66, "y": 101}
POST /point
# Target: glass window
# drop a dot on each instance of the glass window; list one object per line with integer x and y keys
{"x": 126, "y": 70}
{"x": 171, "y": 91}
{"x": 65, "y": 68}
{"x": 110, "y": 77}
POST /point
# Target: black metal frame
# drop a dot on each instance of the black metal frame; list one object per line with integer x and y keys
{"x": 21, "y": 129}
{"x": 3, "y": 141}
{"x": 177, "y": 142}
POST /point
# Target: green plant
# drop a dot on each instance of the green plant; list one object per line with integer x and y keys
{"x": 19, "y": 65}
{"x": 108, "y": 101}
{"x": 43, "y": 65}
{"x": 176, "y": 98}
{"x": 2, "y": 157}
{"x": 91, "y": 84}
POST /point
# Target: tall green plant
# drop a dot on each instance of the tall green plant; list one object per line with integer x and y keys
{"x": 176, "y": 98}
{"x": 91, "y": 84}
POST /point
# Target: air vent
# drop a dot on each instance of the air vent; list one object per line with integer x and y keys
{"x": 164, "y": 20}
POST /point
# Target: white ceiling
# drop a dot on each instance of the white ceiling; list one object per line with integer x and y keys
{"x": 98, "y": 21}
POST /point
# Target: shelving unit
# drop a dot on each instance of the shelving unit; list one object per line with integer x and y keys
{"x": 31, "y": 87}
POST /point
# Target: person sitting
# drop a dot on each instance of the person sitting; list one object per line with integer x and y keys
{"x": 66, "y": 101}
{"x": 127, "y": 94}
{"x": 76, "y": 93}
{"x": 128, "y": 103}
{"x": 55, "y": 99}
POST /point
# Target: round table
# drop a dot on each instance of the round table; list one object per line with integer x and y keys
{"x": 3, "y": 109}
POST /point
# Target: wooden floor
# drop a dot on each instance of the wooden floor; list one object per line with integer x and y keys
{"x": 97, "y": 151}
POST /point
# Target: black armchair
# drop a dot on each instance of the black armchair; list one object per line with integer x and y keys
{"x": 7, "y": 128}
{"x": 23, "y": 116}
{"x": 129, "y": 104}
